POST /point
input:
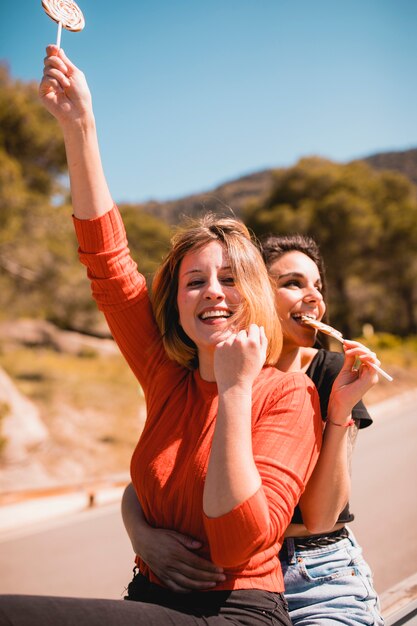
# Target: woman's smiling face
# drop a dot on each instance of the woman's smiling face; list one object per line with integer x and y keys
{"x": 207, "y": 296}
{"x": 298, "y": 292}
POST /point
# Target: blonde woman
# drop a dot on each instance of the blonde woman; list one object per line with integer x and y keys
{"x": 229, "y": 442}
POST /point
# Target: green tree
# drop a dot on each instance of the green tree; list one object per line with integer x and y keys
{"x": 40, "y": 275}
{"x": 149, "y": 238}
{"x": 358, "y": 216}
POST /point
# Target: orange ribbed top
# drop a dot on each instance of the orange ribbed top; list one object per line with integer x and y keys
{"x": 169, "y": 464}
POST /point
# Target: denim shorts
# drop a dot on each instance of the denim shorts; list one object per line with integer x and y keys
{"x": 329, "y": 585}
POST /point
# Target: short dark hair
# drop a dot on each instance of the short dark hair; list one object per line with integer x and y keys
{"x": 273, "y": 247}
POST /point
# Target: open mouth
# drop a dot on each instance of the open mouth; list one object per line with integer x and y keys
{"x": 215, "y": 314}
{"x": 299, "y": 318}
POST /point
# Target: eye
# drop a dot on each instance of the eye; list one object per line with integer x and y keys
{"x": 195, "y": 283}
{"x": 293, "y": 282}
{"x": 228, "y": 280}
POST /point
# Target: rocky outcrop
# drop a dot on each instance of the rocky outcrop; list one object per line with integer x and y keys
{"x": 32, "y": 333}
{"x": 21, "y": 428}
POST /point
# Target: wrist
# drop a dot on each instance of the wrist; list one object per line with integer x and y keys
{"x": 346, "y": 424}
{"x": 81, "y": 125}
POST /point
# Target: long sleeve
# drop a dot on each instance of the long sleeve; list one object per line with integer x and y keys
{"x": 286, "y": 445}
{"x": 121, "y": 293}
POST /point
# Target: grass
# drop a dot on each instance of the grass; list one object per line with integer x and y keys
{"x": 94, "y": 408}
{"x": 92, "y": 405}
{"x": 393, "y": 350}
{"x": 106, "y": 385}
{"x": 101, "y": 383}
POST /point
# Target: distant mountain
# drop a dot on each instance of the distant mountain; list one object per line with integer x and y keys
{"x": 404, "y": 162}
{"x": 233, "y": 195}
{"x": 238, "y": 193}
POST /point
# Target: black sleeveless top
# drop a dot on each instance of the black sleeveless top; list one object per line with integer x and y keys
{"x": 323, "y": 370}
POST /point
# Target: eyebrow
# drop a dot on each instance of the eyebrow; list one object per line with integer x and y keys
{"x": 197, "y": 270}
{"x": 298, "y": 274}
{"x": 294, "y": 274}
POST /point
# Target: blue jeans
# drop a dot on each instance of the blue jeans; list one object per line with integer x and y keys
{"x": 329, "y": 585}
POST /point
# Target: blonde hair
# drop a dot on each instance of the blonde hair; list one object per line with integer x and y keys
{"x": 251, "y": 280}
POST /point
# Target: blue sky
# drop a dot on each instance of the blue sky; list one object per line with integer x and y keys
{"x": 190, "y": 93}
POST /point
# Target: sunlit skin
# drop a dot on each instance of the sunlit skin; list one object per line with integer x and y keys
{"x": 298, "y": 286}
{"x": 206, "y": 299}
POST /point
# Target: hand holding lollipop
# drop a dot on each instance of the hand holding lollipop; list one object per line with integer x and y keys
{"x": 336, "y": 334}
{"x": 66, "y": 13}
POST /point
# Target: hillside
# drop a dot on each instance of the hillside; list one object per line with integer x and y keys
{"x": 235, "y": 194}
{"x": 240, "y": 192}
{"x": 404, "y": 162}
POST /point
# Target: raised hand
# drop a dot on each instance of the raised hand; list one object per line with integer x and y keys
{"x": 352, "y": 383}
{"x": 239, "y": 359}
{"x": 63, "y": 89}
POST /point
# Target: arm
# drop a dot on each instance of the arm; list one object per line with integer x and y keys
{"x": 118, "y": 288}
{"x": 328, "y": 489}
{"x": 170, "y": 555}
{"x": 65, "y": 93}
{"x": 285, "y": 441}
{"x": 232, "y": 476}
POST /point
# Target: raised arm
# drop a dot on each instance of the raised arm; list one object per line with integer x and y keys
{"x": 65, "y": 94}
{"x": 328, "y": 489}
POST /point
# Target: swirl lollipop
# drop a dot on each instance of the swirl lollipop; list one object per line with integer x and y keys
{"x": 66, "y": 13}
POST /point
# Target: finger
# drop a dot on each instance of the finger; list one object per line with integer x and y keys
{"x": 349, "y": 343}
{"x": 193, "y": 561}
{"x": 173, "y": 586}
{"x": 369, "y": 357}
{"x": 263, "y": 338}
{"x": 52, "y": 50}
{"x": 254, "y": 332}
{"x": 49, "y": 85}
{"x": 58, "y": 76}
{"x": 71, "y": 67}
{"x": 199, "y": 568}
{"x": 189, "y": 542}
{"x": 55, "y": 61}
{"x": 365, "y": 357}
{"x": 230, "y": 339}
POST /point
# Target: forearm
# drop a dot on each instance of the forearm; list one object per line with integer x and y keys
{"x": 90, "y": 193}
{"x": 328, "y": 489}
{"x": 232, "y": 475}
{"x": 134, "y": 520}
{"x": 64, "y": 92}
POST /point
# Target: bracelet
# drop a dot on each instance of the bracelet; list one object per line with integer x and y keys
{"x": 349, "y": 423}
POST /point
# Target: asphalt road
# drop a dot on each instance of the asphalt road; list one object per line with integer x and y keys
{"x": 88, "y": 554}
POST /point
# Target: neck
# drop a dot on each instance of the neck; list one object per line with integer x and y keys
{"x": 289, "y": 359}
{"x": 295, "y": 359}
{"x": 206, "y": 366}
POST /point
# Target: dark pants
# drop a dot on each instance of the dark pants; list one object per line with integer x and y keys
{"x": 156, "y": 607}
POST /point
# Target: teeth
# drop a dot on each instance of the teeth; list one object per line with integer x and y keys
{"x": 303, "y": 315}
{"x": 208, "y": 314}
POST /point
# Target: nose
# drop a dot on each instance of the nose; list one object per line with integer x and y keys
{"x": 213, "y": 290}
{"x": 312, "y": 294}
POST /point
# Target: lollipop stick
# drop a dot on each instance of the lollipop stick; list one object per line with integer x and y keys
{"x": 376, "y": 367}
{"x": 381, "y": 371}
{"x": 58, "y": 38}
{"x": 332, "y": 332}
